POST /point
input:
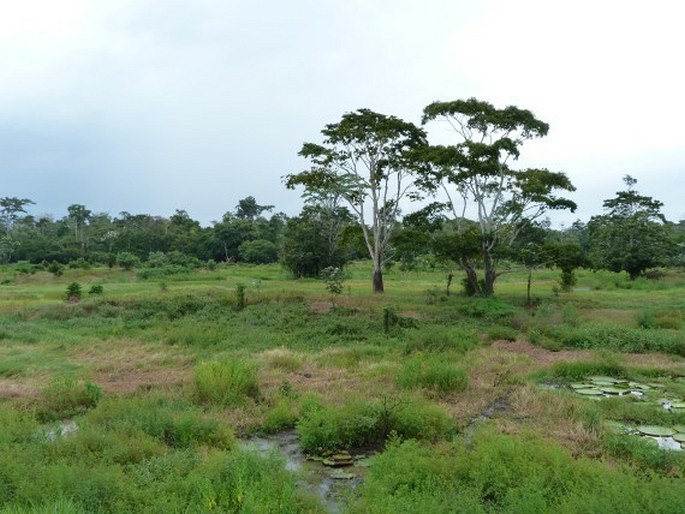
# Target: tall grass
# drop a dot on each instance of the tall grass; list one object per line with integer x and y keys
{"x": 230, "y": 382}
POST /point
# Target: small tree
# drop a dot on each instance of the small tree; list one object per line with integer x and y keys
{"x": 632, "y": 235}
{"x": 333, "y": 278}
{"x": 74, "y": 292}
{"x": 127, "y": 260}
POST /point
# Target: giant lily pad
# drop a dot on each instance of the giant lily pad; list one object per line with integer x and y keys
{"x": 656, "y": 430}
{"x": 579, "y": 385}
{"x": 679, "y": 437}
{"x": 590, "y": 391}
{"x": 612, "y": 390}
{"x": 339, "y": 474}
{"x": 679, "y": 428}
{"x": 602, "y": 378}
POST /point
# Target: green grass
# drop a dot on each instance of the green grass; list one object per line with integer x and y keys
{"x": 159, "y": 380}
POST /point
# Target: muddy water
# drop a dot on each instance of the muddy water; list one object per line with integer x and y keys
{"x": 315, "y": 478}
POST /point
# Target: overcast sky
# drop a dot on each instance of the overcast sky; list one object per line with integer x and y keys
{"x": 149, "y": 106}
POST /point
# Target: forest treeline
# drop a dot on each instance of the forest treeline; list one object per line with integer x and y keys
{"x": 478, "y": 213}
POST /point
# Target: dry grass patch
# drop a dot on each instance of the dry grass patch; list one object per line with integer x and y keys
{"x": 551, "y": 415}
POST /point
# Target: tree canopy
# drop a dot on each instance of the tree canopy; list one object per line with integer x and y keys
{"x": 476, "y": 176}
{"x": 366, "y": 159}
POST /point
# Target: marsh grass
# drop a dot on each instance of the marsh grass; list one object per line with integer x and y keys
{"x": 432, "y": 374}
{"x": 183, "y": 371}
{"x": 229, "y": 382}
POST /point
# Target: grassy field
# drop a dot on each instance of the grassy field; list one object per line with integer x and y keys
{"x": 137, "y": 399}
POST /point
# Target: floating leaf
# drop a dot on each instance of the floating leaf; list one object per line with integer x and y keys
{"x": 579, "y": 385}
{"x": 602, "y": 378}
{"x": 339, "y": 474}
{"x": 364, "y": 463}
{"x": 656, "y": 430}
{"x": 590, "y": 391}
{"x": 679, "y": 428}
{"x": 679, "y": 437}
{"x": 612, "y": 390}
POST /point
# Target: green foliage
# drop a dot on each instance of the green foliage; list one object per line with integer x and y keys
{"x": 281, "y": 416}
{"x": 618, "y": 338}
{"x": 229, "y": 382}
{"x": 363, "y": 424}
{"x": 74, "y": 292}
{"x": 66, "y": 397}
{"x": 433, "y": 374}
{"x": 127, "y": 260}
{"x": 333, "y": 278}
{"x": 476, "y": 169}
{"x": 500, "y": 473}
{"x": 166, "y": 271}
{"x": 240, "y": 300}
{"x": 313, "y": 240}
{"x": 258, "y": 251}
{"x": 55, "y": 268}
{"x": 650, "y": 318}
{"x": 175, "y": 424}
{"x": 365, "y": 159}
{"x": 440, "y": 339}
{"x": 96, "y": 289}
{"x": 632, "y": 236}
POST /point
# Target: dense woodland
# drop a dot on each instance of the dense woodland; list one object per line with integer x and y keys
{"x": 320, "y": 236}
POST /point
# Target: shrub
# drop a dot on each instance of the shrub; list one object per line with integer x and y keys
{"x": 499, "y": 332}
{"x": 55, "y": 268}
{"x": 363, "y": 424}
{"x": 127, "y": 260}
{"x": 433, "y": 375}
{"x": 619, "y": 338}
{"x": 440, "y": 339}
{"x": 96, "y": 289}
{"x": 501, "y": 473}
{"x": 66, "y": 397}
{"x": 229, "y": 382}
{"x": 281, "y": 416}
{"x": 74, "y": 292}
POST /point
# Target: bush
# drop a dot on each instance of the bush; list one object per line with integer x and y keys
{"x": 433, "y": 375}
{"x": 440, "y": 339}
{"x": 66, "y": 397}
{"x": 160, "y": 419}
{"x": 259, "y": 251}
{"x": 74, "y": 292}
{"x": 500, "y": 473}
{"x": 127, "y": 260}
{"x": 96, "y": 289}
{"x": 362, "y": 424}
{"x": 619, "y": 338}
{"x": 55, "y": 268}
{"x": 228, "y": 382}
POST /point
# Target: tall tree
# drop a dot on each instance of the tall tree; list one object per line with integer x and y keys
{"x": 11, "y": 208}
{"x": 632, "y": 235}
{"x": 365, "y": 159}
{"x": 249, "y": 209}
{"x": 78, "y": 215}
{"x": 475, "y": 174}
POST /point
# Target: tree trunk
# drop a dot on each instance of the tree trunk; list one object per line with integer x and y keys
{"x": 530, "y": 279}
{"x": 377, "y": 280}
{"x": 473, "y": 287}
{"x": 490, "y": 274}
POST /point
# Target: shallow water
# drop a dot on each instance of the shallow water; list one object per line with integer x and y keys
{"x": 315, "y": 478}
